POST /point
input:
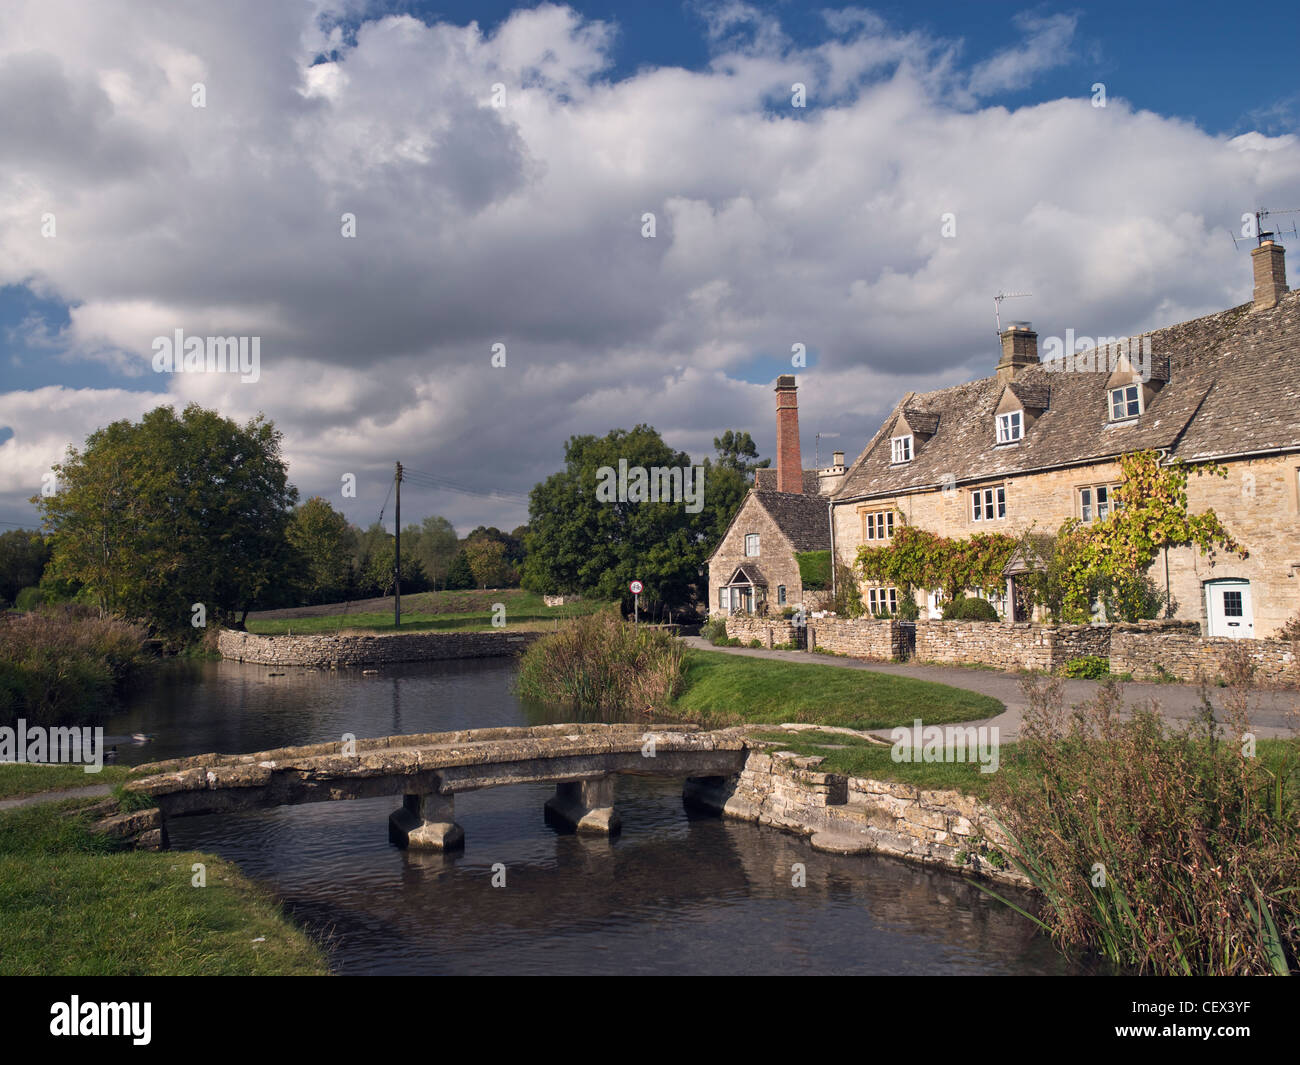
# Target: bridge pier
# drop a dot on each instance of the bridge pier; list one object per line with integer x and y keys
{"x": 585, "y": 805}
{"x": 426, "y": 822}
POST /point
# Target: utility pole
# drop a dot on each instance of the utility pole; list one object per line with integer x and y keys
{"x": 397, "y": 550}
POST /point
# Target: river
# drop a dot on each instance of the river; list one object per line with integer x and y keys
{"x": 675, "y": 892}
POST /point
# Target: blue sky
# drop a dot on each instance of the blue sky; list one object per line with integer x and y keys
{"x": 521, "y": 224}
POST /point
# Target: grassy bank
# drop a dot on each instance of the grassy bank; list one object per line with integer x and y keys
{"x": 64, "y": 665}
{"x": 18, "y": 779}
{"x": 724, "y": 689}
{"x": 450, "y": 611}
{"x": 72, "y": 905}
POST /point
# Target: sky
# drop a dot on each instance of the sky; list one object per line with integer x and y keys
{"x": 641, "y": 210}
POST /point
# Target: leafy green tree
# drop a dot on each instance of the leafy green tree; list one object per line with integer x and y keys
{"x": 23, "y": 557}
{"x": 578, "y": 543}
{"x": 438, "y": 545}
{"x": 737, "y": 451}
{"x": 156, "y": 516}
{"x": 323, "y": 540}
{"x": 487, "y": 561}
{"x": 459, "y": 575}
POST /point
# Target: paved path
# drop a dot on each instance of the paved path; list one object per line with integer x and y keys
{"x": 1274, "y": 715}
{"x": 94, "y": 791}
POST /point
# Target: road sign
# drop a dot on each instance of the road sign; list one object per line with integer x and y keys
{"x": 636, "y": 587}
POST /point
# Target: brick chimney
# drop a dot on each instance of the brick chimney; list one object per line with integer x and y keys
{"x": 789, "y": 466}
{"x": 1269, "y": 260}
{"x": 1019, "y": 349}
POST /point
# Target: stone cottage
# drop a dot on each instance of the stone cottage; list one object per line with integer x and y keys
{"x": 754, "y": 567}
{"x": 1039, "y": 441}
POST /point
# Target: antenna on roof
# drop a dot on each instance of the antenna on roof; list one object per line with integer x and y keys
{"x": 997, "y": 305}
{"x": 817, "y": 447}
{"x": 1260, "y": 233}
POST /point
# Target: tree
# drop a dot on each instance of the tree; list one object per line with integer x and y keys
{"x": 1111, "y": 557}
{"x": 735, "y": 450}
{"x": 324, "y": 542}
{"x": 23, "y": 557}
{"x": 578, "y": 543}
{"x": 174, "y": 511}
{"x": 437, "y": 546}
{"x": 459, "y": 575}
{"x": 487, "y": 562}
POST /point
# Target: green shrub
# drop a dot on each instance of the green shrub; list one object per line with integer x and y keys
{"x": 30, "y": 599}
{"x": 814, "y": 568}
{"x": 1093, "y": 667}
{"x": 715, "y": 630}
{"x": 968, "y": 609}
{"x": 907, "y": 608}
{"x": 755, "y": 643}
{"x": 603, "y": 664}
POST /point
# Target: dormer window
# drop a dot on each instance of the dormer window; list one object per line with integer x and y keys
{"x": 1125, "y": 402}
{"x": 1011, "y": 427}
{"x": 900, "y": 449}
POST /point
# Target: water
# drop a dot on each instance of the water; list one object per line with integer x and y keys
{"x": 676, "y": 892}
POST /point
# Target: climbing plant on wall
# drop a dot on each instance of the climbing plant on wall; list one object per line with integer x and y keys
{"x": 917, "y": 558}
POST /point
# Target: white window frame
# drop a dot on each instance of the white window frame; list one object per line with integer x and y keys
{"x": 748, "y": 538}
{"x": 989, "y": 504}
{"x": 1092, "y": 508}
{"x": 1120, "y": 402}
{"x": 877, "y": 598}
{"x": 1013, "y": 419}
{"x": 878, "y": 525}
{"x": 900, "y": 449}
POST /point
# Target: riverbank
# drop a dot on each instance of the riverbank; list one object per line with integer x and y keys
{"x": 72, "y": 903}
{"x": 335, "y": 651}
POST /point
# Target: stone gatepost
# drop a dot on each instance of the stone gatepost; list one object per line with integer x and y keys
{"x": 585, "y": 805}
{"x": 426, "y": 822}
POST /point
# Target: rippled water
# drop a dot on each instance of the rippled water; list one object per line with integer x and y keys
{"x": 676, "y": 892}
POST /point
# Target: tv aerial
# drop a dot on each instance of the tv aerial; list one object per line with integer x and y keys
{"x": 1261, "y": 234}
{"x": 997, "y": 305}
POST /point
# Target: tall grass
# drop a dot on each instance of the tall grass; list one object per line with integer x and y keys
{"x": 602, "y": 664}
{"x": 1172, "y": 852}
{"x": 63, "y": 664}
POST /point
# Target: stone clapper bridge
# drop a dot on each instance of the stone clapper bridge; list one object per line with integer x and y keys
{"x": 428, "y": 770}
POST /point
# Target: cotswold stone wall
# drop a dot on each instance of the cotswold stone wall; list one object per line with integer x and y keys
{"x": 329, "y": 650}
{"x": 863, "y": 637}
{"x": 768, "y": 631}
{"x": 1184, "y": 656}
{"x": 848, "y": 815}
{"x": 1020, "y": 646}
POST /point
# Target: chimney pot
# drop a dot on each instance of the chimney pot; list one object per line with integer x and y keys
{"x": 1269, "y": 262}
{"x": 839, "y": 458}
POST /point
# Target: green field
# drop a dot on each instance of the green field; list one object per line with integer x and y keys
{"x": 422, "y": 611}
{"x": 17, "y": 779}
{"x": 723, "y": 689}
{"x": 71, "y": 904}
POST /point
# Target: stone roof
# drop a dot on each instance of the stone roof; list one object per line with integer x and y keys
{"x": 802, "y": 518}
{"x": 765, "y": 479}
{"x": 1233, "y": 388}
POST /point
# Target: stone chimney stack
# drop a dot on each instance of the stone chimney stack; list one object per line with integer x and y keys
{"x": 1269, "y": 260}
{"x": 789, "y": 465}
{"x": 1019, "y": 349}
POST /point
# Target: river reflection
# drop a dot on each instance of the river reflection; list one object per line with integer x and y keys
{"x": 676, "y": 892}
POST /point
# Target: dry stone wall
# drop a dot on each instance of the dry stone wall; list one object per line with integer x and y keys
{"x": 327, "y": 650}
{"x": 1019, "y": 646}
{"x": 1184, "y": 656}
{"x": 876, "y": 638}
{"x": 768, "y": 631}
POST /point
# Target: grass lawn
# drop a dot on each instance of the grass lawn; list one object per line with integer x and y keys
{"x": 723, "y": 689}
{"x": 422, "y": 611}
{"x": 18, "y": 779}
{"x": 72, "y": 905}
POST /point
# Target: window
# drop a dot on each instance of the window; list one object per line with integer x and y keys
{"x": 780, "y": 594}
{"x": 878, "y": 525}
{"x": 1098, "y": 501}
{"x": 751, "y": 545}
{"x": 724, "y": 598}
{"x": 1125, "y": 402}
{"x": 882, "y": 600}
{"x": 988, "y": 504}
{"x": 1232, "y": 604}
{"x": 901, "y": 449}
{"x": 1010, "y": 427}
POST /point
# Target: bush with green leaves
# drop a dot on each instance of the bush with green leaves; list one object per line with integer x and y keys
{"x": 30, "y": 599}
{"x": 715, "y": 630}
{"x": 1092, "y": 667}
{"x": 969, "y": 609}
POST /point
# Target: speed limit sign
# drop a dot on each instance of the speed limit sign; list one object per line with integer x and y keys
{"x": 635, "y": 587}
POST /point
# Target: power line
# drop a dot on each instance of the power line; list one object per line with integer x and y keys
{"x": 436, "y": 481}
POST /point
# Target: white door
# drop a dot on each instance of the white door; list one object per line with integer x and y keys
{"x": 1229, "y": 611}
